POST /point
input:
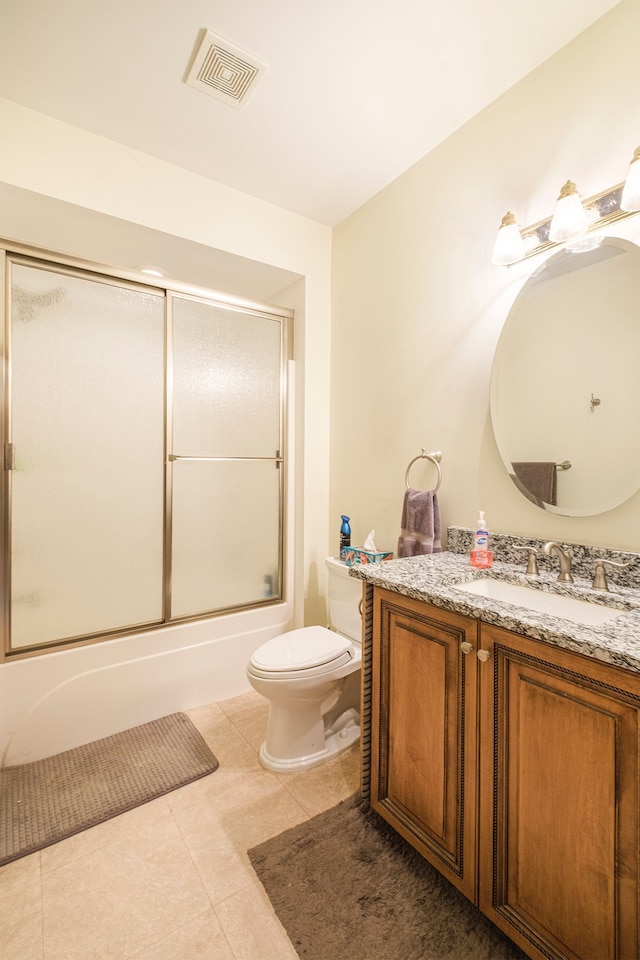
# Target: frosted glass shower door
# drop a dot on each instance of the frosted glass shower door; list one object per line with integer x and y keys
{"x": 226, "y": 464}
{"x": 87, "y": 428}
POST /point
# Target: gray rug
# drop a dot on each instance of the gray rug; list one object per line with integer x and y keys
{"x": 347, "y": 887}
{"x": 47, "y": 800}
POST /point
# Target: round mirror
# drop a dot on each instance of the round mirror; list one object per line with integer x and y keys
{"x": 565, "y": 383}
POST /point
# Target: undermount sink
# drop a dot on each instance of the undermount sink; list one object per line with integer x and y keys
{"x": 553, "y": 604}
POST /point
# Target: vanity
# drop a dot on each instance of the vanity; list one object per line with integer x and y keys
{"x": 503, "y": 740}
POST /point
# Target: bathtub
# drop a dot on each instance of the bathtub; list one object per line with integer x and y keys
{"x": 59, "y": 700}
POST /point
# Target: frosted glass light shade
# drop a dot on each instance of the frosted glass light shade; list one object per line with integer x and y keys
{"x": 570, "y": 219}
{"x": 630, "y": 200}
{"x": 509, "y": 246}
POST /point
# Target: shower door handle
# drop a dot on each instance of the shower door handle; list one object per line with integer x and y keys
{"x": 9, "y": 457}
{"x": 277, "y": 459}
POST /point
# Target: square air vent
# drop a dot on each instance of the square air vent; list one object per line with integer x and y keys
{"x": 224, "y": 71}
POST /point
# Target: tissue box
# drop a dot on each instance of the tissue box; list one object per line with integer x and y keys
{"x": 355, "y": 555}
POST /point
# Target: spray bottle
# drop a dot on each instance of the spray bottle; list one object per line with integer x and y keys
{"x": 345, "y": 536}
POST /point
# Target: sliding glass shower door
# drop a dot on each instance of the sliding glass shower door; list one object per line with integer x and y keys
{"x": 87, "y": 441}
{"x": 226, "y": 457}
{"x": 144, "y": 478}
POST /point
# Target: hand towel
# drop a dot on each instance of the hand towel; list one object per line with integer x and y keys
{"x": 420, "y": 532}
{"x": 539, "y": 478}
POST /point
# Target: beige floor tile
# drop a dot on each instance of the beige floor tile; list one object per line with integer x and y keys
{"x": 218, "y": 836}
{"x": 103, "y": 834}
{"x": 252, "y": 928}
{"x": 248, "y": 713}
{"x": 21, "y": 922}
{"x": 323, "y": 786}
{"x": 200, "y": 939}
{"x": 237, "y": 759}
{"x": 265, "y": 814}
{"x": 208, "y": 719}
{"x": 204, "y": 715}
{"x": 19, "y": 871}
{"x": 223, "y": 869}
{"x": 217, "y": 793}
{"x": 121, "y": 898}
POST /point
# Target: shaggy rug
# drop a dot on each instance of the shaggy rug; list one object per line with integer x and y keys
{"x": 47, "y": 800}
{"x": 347, "y": 887}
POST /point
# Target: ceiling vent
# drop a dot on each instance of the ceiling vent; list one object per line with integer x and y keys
{"x": 224, "y": 71}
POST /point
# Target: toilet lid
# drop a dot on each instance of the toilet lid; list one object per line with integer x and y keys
{"x": 302, "y": 649}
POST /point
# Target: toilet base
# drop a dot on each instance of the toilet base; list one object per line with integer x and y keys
{"x": 339, "y": 737}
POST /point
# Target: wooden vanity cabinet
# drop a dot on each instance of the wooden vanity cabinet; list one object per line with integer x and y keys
{"x": 514, "y": 767}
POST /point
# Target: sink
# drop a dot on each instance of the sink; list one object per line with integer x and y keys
{"x": 553, "y": 604}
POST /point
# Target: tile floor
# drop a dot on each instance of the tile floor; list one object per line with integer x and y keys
{"x": 171, "y": 880}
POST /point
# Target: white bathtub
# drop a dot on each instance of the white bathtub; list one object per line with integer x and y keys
{"x": 55, "y": 701}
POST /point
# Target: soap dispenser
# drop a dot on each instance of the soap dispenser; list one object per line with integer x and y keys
{"x": 480, "y": 555}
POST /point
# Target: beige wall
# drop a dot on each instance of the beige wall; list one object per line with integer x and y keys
{"x": 418, "y": 306}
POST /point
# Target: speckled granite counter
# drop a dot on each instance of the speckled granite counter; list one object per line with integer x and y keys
{"x": 434, "y": 579}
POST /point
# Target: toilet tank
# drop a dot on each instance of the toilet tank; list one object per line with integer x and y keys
{"x": 345, "y": 595}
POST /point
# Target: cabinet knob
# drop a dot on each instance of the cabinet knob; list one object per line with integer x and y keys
{"x": 466, "y": 647}
{"x": 484, "y": 655}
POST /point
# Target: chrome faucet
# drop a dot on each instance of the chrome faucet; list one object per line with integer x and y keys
{"x": 565, "y": 556}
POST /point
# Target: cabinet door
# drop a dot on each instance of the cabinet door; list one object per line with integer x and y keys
{"x": 559, "y": 799}
{"x": 424, "y": 727}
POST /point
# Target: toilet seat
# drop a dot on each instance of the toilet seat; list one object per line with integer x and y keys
{"x": 306, "y": 652}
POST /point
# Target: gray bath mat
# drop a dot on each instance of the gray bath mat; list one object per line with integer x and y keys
{"x": 47, "y": 800}
{"x": 347, "y": 887}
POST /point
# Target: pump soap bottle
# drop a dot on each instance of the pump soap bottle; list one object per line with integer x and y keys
{"x": 345, "y": 536}
{"x": 480, "y": 555}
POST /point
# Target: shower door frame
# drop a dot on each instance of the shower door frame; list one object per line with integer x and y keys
{"x": 170, "y": 289}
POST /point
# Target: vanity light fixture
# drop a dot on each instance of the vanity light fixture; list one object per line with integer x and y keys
{"x": 570, "y": 218}
{"x": 630, "y": 201}
{"x": 573, "y": 218}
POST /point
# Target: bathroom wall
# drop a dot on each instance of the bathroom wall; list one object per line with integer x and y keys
{"x": 418, "y": 307}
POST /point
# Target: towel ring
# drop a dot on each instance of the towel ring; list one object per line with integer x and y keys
{"x": 435, "y": 457}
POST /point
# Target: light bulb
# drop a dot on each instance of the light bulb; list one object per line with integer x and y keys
{"x": 569, "y": 220}
{"x": 630, "y": 200}
{"x": 152, "y": 271}
{"x": 509, "y": 247}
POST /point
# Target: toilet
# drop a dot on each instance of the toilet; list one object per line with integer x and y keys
{"x": 311, "y": 678}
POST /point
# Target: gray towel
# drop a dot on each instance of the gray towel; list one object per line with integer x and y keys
{"x": 420, "y": 527}
{"x": 539, "y": 478}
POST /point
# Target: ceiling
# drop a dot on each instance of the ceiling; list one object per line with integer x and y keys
{"x": 354, "y": 93}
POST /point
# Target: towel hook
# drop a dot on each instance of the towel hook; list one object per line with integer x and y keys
{"x": 435, "y": 457}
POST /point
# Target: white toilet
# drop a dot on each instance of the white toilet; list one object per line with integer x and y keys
{"x": 311, "y": 678}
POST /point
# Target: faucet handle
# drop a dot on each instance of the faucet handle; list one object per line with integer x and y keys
{"x": 532, "y": 562}
{"x": 599, "y": 575}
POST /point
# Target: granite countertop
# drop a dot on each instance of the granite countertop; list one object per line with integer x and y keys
{"x": 433, "y": 579}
